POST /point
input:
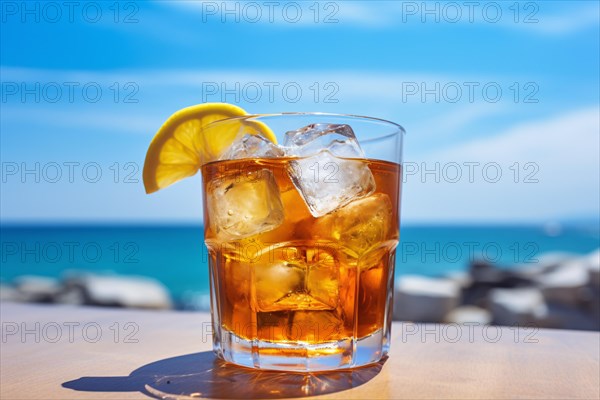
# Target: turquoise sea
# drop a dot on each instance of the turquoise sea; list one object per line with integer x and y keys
{"x": 176, "y": 256}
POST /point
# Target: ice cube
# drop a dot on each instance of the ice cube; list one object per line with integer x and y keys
{"x": 312, "y": 139}
{"x": 327, "y": 174}
{"x": 249, "y": 146}
{"x": 322, "y": 280}
{"x": 277, "y": 285}
{"x": 243, "y": 205}
{"x": 360, "y": 225}
{"x": 298, "y": 278}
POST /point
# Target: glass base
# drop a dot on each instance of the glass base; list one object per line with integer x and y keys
{"x": 301, "y": 356}
{"x": 200, "y": 375}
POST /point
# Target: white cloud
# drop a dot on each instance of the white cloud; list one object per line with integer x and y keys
{"x": 558, "y": 19}
{"x": 568, "y": 21}
{"x": 458, "y": 119}
{"x": 543, "y": 18}
{"x": 572, "y": 137}
{"x": 549, "y": 169}
{"x": 107, "y": 120}
{"x": 384, "y": 95}
{"x": 564, "y": 148}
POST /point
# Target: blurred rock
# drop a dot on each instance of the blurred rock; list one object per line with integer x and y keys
{"x": 72, "y": 295}
{"x": 463, "y": 279}
{"x": 423, "y": 299}
{"x": 38, "y": 289}
{"x": 192, "y": 300}
{"x": 522, "y": 306}
{"x": 543, "y": 263}
{"x": 469, "y": 314}
{"x": 566, "y": 284}
{"x": 561, "y": 316}
{"x": 9, "y": 293}
{"x": 593, "y": 265}
{"x": 485, "y": 277}
{"x": 485, "y": 273}
{"x": 120, "y": 291}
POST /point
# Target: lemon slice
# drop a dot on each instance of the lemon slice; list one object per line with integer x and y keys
{"x": 183, "y": 143}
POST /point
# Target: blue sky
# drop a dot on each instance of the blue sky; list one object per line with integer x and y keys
{"x": 513, "y": 87}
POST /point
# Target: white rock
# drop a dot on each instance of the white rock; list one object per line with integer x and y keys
{"x": 37, "y": 288}
{"x": 545, "y": 263}
{"x": 423, "y": 299}
{"x": 9, "y": 293}
{"x": 123, "y": 291}
{"x": 566, "y": 284}
{"x": 522, "y": 306}
{"x": 469, "y": 314}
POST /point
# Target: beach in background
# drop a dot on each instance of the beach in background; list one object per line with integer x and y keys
{"x": 176, "y": 256}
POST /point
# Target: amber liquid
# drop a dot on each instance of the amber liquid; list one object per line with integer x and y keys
{"x": 309, "y": 280}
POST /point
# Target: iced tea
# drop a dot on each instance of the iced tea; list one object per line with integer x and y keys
{"x": 289, "y": 285}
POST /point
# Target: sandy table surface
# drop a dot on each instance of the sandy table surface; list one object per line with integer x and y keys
{"x": 64, "y": 352}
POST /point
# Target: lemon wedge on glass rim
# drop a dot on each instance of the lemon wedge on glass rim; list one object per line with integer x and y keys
{"x": 183, "y": 144}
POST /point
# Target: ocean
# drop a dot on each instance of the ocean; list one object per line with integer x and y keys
{"x": 177, "y": 257}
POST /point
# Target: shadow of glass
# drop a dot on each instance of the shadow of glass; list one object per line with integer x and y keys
{"x": 201, "y": 375}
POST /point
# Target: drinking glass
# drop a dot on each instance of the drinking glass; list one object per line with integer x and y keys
{"x": 302, "y": 247}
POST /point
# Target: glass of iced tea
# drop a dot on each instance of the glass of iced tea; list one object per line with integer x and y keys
{"x": 301, "y": 238}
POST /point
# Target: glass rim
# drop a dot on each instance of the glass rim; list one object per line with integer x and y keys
{"x": 400, "y": 128}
